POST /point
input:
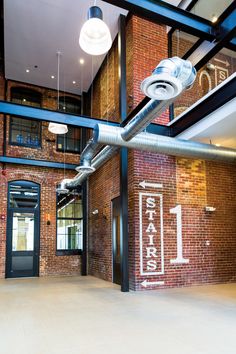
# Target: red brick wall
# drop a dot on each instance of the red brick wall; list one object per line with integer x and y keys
{"x": 147, "y": 45}
{"x": 209, "y": 239}
{"x": 103, "y": 187}
{"x": 48, "y": 149}
{"x": 104, "y": 92}
{"x": 50, "y": 264}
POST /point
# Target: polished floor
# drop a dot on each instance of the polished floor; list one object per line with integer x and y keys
{"x": 84, "y": 315}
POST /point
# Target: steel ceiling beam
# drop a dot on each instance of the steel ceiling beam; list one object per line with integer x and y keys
{"x": 38, "y": 163}
{"x": 50, "y": 116}
{"x": 205, "y": 50}
{"x": 162, "y": 12}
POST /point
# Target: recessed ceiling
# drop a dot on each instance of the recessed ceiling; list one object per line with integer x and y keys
{"x": 36, "y": 30}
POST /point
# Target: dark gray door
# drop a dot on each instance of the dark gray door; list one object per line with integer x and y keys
{"x": 116, "y": 239}
{"x": 22, "y": 258}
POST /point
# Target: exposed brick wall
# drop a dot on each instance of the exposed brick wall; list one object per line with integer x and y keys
{"x": 50, "y": 264}
{"x": 103, "y": 187}
{"x": 104, "y": 92}
{"x": 147, "y": 45}
{"x": 48, "y": 149}
{"x": 209, "y": 239}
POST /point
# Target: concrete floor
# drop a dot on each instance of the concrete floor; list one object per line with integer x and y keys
{"x": 84, "y": 315}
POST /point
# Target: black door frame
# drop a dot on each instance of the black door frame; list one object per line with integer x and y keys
{"x": 36, "y": 251}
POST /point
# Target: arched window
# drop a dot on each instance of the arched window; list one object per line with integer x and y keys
{"x": 25, "y": 132}
{"x": 26, "y": 96}
{"x": 23, "y": 194}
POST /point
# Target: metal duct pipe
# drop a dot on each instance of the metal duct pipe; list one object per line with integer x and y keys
{"x": 86, "y": 156}
{"x": 164, "y": 145}
{"x": 102, "y": 157}
{"x": 170, "y": 78}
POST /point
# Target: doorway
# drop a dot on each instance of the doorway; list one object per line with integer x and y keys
{"x": 22, "y": 254}
{"x": 116, "y": 240}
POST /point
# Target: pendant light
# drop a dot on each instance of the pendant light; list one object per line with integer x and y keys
{"x": 57, "y": 128}
{"x": 95, "y": 36}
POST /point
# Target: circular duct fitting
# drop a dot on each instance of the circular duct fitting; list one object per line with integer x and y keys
{"x": 60, "y": 190}
{"x": 161, "y": 87}
{"x": 85, "y": 169}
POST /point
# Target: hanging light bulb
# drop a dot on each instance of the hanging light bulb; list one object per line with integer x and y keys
{"x": 95, "y": 36}
{"x": 57, "y": 128}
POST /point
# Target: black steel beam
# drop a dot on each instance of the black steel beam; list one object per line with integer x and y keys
{"x": 211, "y": 103}
{"x": 39, "y": 163}
{"x": 123, "y": 159}
{"x": 199, "y": 55}
{"x": 50, "y": 116}
{"x": 162, "y": 12}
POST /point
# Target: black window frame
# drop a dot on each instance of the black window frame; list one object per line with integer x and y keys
{"x": 67, "y": 252}
{"x": 65, "y": 139}
{"x": 34, "y": 97}
{"x": 14, "y": 143}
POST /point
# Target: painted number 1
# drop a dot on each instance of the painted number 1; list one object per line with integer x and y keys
{"x": 179, "y": 259}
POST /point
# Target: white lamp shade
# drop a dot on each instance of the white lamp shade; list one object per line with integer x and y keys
{"x": 95, "y": 37}
{"x": 56, "y": 128}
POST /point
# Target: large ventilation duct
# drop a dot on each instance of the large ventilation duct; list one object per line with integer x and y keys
{"x": 164, "y": 145}
{"x": 168, "y": 80}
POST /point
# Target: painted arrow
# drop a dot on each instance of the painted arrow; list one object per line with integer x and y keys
{"x": 222, "y": 61}
{"x": 145, "y": 184}
{"x": 146, "y": 283}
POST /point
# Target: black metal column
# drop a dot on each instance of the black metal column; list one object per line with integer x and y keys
{"x": 85, "y": 210}
{"x": 123, "y": 159}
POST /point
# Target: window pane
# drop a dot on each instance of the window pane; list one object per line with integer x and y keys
{"x": 69, "y": 234}
{"x": 211, "y": 9}
{"x": 70, "y": 105}
{"x": 25, "y": 96}
{"x": 70, "y": 141}
{"x": 23, "y": 195}
{"x": 23, "y": 232}
{"x": 25, "y": 132}
{"x": 69, "y": 222}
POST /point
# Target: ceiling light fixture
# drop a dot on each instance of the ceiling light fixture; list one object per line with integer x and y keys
{"x": 214, "y": 18}
{"x": 27, "y": 70}
{"x": 73, "y": 82}
{"x": 52, "y": 77}
{"x": 95, "y": 36}
{"x": 56, "y": 128}
{"x": 81, "y": 61}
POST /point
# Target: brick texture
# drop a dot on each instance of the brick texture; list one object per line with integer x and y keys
{"x": 50, "y": 264}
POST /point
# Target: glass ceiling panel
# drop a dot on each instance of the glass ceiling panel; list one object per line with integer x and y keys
{"x": 210, "y": 9}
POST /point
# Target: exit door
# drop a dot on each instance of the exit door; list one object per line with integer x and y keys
{"x": 116, "y": 240}
{"x": 22, "y": 257}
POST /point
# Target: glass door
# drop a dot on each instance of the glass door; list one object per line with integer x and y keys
{"x": 22, "y": 230}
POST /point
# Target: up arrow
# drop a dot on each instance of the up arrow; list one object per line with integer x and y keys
{"x": 146, "y": 283}
{"x": 145, "y": 184}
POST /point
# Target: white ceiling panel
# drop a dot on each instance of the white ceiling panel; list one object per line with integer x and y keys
{"x": 36, "y": 29}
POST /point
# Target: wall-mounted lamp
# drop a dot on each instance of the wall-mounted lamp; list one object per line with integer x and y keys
{"x": 210, "y": 66}
{"x": 48, "y": 218}
{"x": 95, "y": 36}
{"x": 95, "y": 212}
